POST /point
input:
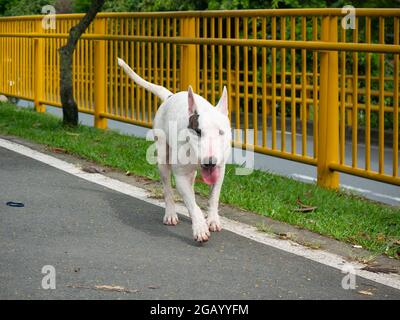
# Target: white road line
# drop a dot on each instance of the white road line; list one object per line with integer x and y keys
{"x": 250, "y": 232}
{"x": 359, "y": 190}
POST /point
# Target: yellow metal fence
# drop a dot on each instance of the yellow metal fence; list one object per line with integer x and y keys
{"x": 296, "y": 78}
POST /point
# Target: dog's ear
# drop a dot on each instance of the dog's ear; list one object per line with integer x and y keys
{"x": 191, "y": 102}
{"x": 222, "y": 105}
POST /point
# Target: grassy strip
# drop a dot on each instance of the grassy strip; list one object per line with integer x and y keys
{"x": 339, "y": 215}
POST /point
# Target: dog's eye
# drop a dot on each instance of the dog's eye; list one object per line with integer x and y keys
{"x": 221, "y": 132}
{"x": 198, "y": 131}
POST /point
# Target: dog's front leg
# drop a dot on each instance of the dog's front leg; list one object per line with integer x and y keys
{"x": 170, "y": 217}
{"x": 199, "y": 225}
{"x": 213, "y": 220}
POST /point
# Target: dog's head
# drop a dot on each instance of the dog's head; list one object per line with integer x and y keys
{"x": 210, "y": 134}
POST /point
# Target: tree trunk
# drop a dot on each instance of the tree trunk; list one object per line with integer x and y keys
{"x": 69, "y": 106}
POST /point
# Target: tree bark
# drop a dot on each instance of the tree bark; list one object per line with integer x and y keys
{"x": 69, "y": 106}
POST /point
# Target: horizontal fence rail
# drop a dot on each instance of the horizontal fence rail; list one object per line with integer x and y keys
{"x": 301, "y": 87}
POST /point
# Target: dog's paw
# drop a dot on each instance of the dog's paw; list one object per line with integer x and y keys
{"x": 214, "y": 224}
{"x": 171, "y": 219}
{"x": 201, "y": 232}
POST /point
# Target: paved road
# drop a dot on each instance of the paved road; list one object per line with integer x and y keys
{"x": 96, "y": 236}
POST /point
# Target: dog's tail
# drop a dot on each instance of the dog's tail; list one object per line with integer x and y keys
{"x": 159, "y": 91}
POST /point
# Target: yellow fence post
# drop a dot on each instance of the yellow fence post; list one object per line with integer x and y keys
{"x": 100, "y": 76}
{"x": 328, "y": 130}
{"x": 189, "y": 72}
{"x": 39, "y": 69}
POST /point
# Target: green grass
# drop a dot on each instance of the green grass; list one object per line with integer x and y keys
{"x": 339, "y": 215}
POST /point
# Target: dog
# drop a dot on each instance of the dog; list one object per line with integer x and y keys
{"x": 207, "y": 141}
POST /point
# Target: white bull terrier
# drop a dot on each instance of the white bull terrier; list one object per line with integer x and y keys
{"x": 207, "y": 136}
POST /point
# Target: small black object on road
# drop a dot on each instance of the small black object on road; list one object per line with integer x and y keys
{"x": 15, "y": 204}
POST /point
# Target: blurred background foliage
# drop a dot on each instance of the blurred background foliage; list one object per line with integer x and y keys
{"x": 26, "y": 7}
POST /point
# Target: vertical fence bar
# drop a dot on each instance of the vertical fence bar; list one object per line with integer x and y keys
{"x": 139, "y": 95}
{"x": 2, "y": 64}
{"x": 237, "y": 79}
{"x": 86, "y": 72}
{"x": 39, "y": 69}
{"x": 293, "y": 84}
{"x": 283, "y": 86}
{"x": 273, "y": 80}
{"x": 220, "y": 59}
{"x": 368, "y": 97}
{"x": 168, "y": 55}
{"x": 264, "y": 83}
{"x": 355, "y": 101}
{"x": 155, "y": 63}
{"x": 80, "y": 62}
{"x": 100, "y": 78}
{"x": 342, "y": 121}
{"x": 174, "y": 50}
{"x": 228, "y": 67}
{"x": 396, "y": 71}
{"x": 4, "y": 52}
{"x": 23, "y": 61}
{"x": 119, "y": 46}
{"x": 198, "y": 47}
{"x": 49, "y": 76}
{"x": 110, "y": 45}
{"x": 205, "y": 60}
{"x": 150, "y": 72}
{"x": 12, "y": 73}
{"x": 303, "y": 110}
{"x": 162, "y": 57}
{"x": 127, "y": 55}
{"x": 6, "y": 64}
{"x": 382, "y": 98}
{"x": 212, "y": 47}
{"x": 315, "y": 88}
{"x": 143, "y": 66}
{"x": 188, "y": 67}
{"x": 56, "y": 71}
{"x": 329, "y": 114}
{"x": 246, "y": 81}
{"x": 132, "y": 61}
{"x": 255, "y": 83}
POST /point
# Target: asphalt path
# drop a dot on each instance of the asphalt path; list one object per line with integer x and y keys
{"x": 94, "y": 236}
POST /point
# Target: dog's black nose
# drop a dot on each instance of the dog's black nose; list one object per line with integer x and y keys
{"x": 209, "y": 162}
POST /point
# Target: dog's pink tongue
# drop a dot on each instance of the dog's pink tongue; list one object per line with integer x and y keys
{"x": 211, "y": 175}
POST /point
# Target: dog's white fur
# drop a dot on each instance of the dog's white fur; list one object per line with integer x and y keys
{"x": 213, "y": 143}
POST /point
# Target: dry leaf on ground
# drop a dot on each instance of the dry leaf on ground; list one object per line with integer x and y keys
{"x": 104, "y": 288}
{"x": 93, "y": 169}
{"x": 58, "y": 150}
{"x": 304, "y": 207}
{"x": 366, "y": 293}
{"x": 378, "y": 269}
